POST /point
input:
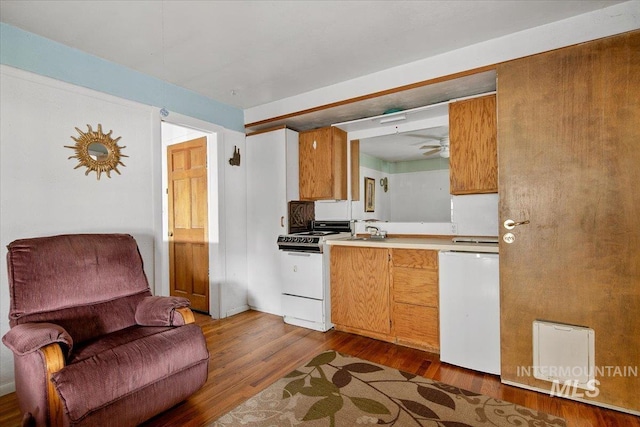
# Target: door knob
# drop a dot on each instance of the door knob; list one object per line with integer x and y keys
{"x": 511, "y": 224}
{"x": 171, "y": 234}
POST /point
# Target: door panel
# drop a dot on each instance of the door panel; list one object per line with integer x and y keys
{"x": 188, "y": 218}
{"x": 472, "y": 132}
{"x": 315, "y": 159}
{"x": 199, "y": 202}
{"x": 360, "y": 288}
{"x": 181, "y": 217}
{"x": 568, "y": 162}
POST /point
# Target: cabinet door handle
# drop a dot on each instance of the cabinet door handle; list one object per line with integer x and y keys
{"x": 282, "y": 221}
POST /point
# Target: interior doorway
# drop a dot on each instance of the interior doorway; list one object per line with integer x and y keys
{"x": 197, "y": 281}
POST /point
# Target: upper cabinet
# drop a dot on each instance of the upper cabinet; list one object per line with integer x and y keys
{"x": 473, "y": 146}
{"x": 323, "y": 164}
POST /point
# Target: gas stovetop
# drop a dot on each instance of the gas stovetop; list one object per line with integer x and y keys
{"x": 313, "y": 240}
{"x": 315, "y": 233}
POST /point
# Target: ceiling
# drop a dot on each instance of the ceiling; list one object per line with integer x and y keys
{"x": 248, "y": 53}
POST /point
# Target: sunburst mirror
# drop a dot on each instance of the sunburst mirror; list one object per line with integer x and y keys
{"x": 97, "y": 151}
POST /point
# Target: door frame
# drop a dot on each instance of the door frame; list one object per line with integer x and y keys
{"x": 215, "y": 184}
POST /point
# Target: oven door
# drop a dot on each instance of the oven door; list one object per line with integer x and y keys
{"x": 302, "y": 274}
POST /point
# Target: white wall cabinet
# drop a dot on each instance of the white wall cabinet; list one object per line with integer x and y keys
{"x": 272, "y": 181}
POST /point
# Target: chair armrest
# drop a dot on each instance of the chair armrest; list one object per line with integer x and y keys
{"x": 29, "y": 337}
{"x": 161, "y": 311}
{"x": 187, "y": 315}
{"x": 53, "y": 362}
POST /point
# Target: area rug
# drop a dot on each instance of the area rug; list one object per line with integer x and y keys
{"x": 334, "y": 389}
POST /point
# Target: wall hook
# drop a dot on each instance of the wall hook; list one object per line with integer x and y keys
{"x": 235, "y": 160}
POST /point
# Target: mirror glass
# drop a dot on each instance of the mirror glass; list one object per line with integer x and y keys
{"x": 415, "y": 165}
{"x": 98, "y": 151}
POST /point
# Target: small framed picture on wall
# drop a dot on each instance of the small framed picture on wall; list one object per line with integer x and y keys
{"x": 369, "y": 194}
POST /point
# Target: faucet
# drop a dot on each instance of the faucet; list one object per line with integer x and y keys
{"x": 375, "y": 232}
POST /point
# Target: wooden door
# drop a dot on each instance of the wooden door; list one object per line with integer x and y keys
{"x": 188, "y": 222}
{"x": 569, "y": 162}
{"x": 360, "y": 289}
{"x": 473, "y": 162}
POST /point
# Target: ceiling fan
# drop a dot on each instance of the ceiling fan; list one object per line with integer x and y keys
{"x": 441, "y": 147}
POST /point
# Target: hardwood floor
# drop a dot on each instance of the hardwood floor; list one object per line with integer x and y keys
{"x": 251, "y": 350}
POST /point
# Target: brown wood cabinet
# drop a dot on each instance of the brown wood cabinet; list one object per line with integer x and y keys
{"x": 473, "y": 161}
{"x": 388, "y": 294}
{"x": 414, "y": 283}
{"x": 360, "y": 290}
{"x": 323, "y": 164}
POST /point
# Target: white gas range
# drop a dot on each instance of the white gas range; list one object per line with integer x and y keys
{"x": 304, "y": 266}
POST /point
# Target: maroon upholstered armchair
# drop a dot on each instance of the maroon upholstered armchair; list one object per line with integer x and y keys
{"x": 91, "y": 346}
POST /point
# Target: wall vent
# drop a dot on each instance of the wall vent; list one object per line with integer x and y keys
{"x": 563, "y": 353}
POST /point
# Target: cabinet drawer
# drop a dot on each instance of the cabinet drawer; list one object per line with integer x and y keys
{"x": 311, "y": 310}
{"x": 416, "y": 258}
{"x": 416, "y": 325}
{"x": 415, "y": 286}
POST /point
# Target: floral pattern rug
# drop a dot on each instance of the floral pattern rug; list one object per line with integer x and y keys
{"x": 334, "y": 389}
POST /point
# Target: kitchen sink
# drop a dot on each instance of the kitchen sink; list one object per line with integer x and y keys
{"x": 373, "y": 238}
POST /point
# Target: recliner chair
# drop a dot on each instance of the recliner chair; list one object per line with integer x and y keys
{"x": 91, "y": 345}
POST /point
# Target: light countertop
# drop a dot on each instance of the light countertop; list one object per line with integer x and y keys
{"x": 433, "y": 243}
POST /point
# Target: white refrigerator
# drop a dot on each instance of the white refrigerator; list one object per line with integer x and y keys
{"x": 470, "y": 310}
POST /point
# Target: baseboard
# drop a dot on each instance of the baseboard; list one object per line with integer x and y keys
{"x": 577, "y": 399}
{"x": 237, "y": 310}
{"x": 265, "y": 310}
{"x": 7, "y": 388}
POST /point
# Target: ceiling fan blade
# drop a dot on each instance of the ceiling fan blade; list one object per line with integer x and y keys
{"x": 430, "y": 152}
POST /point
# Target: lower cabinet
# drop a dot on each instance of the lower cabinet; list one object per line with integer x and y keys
{"x": 360, "y": 290}
{"x": 388, "y": 294}
{"x": 414, "y": 283}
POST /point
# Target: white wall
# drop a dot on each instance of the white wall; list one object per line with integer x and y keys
{"x": 475, "y": 214}
{"x": 420, "y": 196}
{"x": 382, "y": 209}
{"x": 40, "y": 192}
{"x": 233, "y": 289}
